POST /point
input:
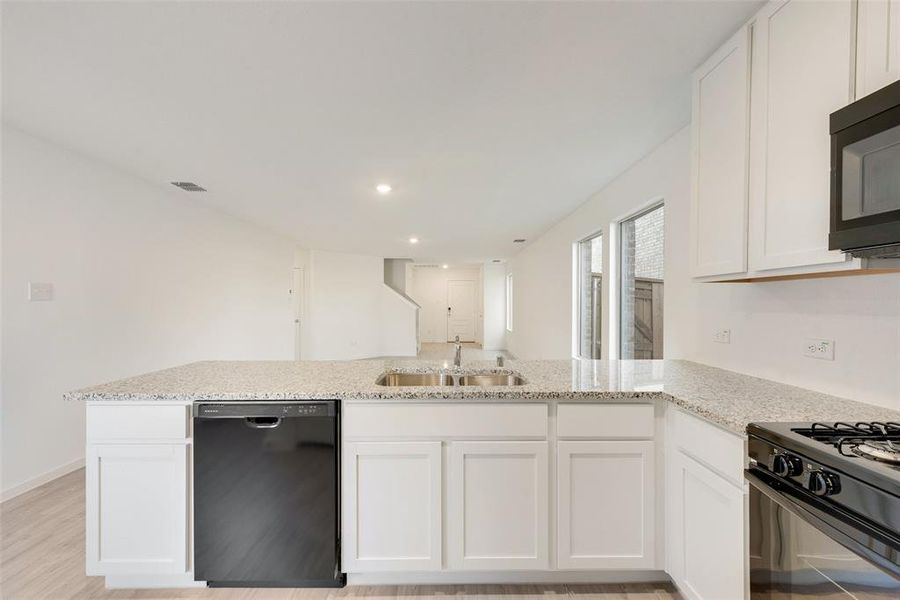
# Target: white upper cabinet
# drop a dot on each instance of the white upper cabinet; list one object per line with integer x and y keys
{"x": 801, "y": 72}
{"x": 719, "y": 129}
{"x": 878, "y": 45}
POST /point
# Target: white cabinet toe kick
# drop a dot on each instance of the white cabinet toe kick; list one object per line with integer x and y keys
{"x": 458, "y": 492}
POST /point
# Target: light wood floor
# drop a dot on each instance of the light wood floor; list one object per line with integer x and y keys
{"x": 42, "y": 557}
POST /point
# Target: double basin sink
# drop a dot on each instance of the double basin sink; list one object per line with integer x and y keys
{"x": 449, "y": 379}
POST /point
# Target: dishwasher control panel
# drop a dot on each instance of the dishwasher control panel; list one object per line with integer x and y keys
{"x": 235, "y": 410}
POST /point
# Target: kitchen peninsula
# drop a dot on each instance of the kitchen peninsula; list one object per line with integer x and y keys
{"x": 588, "y": 471}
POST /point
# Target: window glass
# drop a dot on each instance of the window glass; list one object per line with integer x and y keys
{"x": 590, "y": 305}
{"x": 509, "y": 302}
{"x": 642, "y": 256}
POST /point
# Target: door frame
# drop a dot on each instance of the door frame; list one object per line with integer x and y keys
{"x": 298, "y": 307}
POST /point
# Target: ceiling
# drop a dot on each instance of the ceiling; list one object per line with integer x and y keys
{"x": 491, "y": 120}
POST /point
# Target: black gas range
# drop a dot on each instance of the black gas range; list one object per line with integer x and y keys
{"x": 824, "y": 509}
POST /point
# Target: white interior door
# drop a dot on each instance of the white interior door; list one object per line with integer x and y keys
{"x": 461, "y": 311}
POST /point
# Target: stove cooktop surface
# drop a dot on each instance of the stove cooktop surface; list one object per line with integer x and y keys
{"x": 867, "y": 451}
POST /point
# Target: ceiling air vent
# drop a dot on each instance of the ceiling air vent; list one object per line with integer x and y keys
{"x": 519, "y": 241}
{"x": 188, "y": 186}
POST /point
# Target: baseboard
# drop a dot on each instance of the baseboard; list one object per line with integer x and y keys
{"x": 510, "y": 577}
{"x": 174, "y": 580}
{"x": 40, "y": 480}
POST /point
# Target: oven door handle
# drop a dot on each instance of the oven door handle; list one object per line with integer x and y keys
{"x": 829, "y": 521}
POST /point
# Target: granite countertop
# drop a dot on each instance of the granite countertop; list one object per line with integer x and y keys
{"x": 724, "y": 397}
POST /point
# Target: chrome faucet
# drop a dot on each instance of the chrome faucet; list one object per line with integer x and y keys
{"x": 457, "y": 358}
{"x": 499, "y": 360}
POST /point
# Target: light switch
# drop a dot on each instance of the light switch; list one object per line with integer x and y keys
{"x": 40, "y": 292}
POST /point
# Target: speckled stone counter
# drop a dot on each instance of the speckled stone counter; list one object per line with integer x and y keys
{"x": 729, "y": 399}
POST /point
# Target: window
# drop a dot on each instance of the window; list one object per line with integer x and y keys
{"x": 590, "y": 302}
{"x": 509, "y": 301}
{"x": 641, "y": 252}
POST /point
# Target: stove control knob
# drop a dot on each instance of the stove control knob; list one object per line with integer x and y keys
{"x": 787, "y": 465}
{"x": 823, "y": 483}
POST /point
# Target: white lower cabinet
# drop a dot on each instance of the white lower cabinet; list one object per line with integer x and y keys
{"x": 606, "y": 505}
{"x": 498, "y": 513}
{"x": 706, "y": 539}
{"x": 137, "y": 509}
{"x": 391, "y": 501}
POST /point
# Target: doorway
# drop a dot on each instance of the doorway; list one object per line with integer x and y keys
{"x": 461, "y": 310}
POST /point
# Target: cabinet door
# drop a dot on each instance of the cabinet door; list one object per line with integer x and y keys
{"x": 137, "y": 507}
{"x": 606, "y": 505}
{"x": 878, "y": 45}
{"x": 719, "y": 155}
{"x": 498, "y": 516}
{"x": 706, "y": 534}
{"x": 801, "y": 72}
{"x": 391, "y": 501}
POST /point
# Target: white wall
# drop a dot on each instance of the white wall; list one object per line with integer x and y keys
{"x": 768, "y": 320}
{"x": 429, "y": 289}
{"x": 494, "y": 307}
{"x": 395, "y": 273}
{"x": 352, "y": 313}
{"x": 146, "y": 277}
{"x": 398, "y": 324}
{"x": 345, "y": 298}
{"x": 543, "y": 271}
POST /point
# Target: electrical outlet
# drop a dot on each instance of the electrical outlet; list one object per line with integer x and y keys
{"x": 722, "y": 336}
{"x": 821, "y": 349}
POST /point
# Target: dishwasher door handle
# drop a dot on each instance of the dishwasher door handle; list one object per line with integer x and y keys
{"x": 262, "y": 422}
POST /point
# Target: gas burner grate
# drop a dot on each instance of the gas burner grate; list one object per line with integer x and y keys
{"x": 885, "y": 451}
{"x": 876, "y": 440}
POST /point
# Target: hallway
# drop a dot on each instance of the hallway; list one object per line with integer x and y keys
{"x": 470, "y": 351}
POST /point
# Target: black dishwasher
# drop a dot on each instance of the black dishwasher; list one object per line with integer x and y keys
{"x": 266, "y": 504}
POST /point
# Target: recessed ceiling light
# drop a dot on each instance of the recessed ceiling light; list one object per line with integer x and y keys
{"x": 413, "y": 240}
{"x": 445, "y": 266}
{"x": 383, "y": 188}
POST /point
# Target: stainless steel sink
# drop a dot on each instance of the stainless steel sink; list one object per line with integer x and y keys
{"x": 414, "y": 379}
{"x": 447, "y": 379}
{"x": 491, "y": 379}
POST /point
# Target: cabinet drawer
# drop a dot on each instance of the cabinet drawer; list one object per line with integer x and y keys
{"x": 137, "y": 422}
{"x": 716, "y": 448}
{"x": 417, "y": 421}
{"x": 605, "y": 421}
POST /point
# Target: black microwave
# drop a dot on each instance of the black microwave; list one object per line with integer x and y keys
{"x": 865, "y": 176}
